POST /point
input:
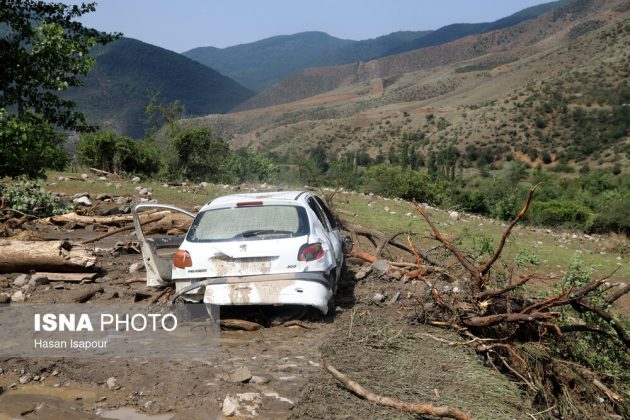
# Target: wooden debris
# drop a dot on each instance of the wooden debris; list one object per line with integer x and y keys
{"x": 239, "y": 324}
{"x": 68, "y": 277}
{"x": 415, "y": 408}
{"x": 54, "y": 256}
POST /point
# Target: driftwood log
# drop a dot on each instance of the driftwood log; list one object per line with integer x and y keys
{"x": 56, "y": 256}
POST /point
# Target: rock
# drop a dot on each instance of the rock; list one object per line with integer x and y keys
{"x": 394, "y": 298}
{"x": 196, "y": 209}
{"x": 26, "y": 378}
{"x": 61, "y": 178}
{"x": 111, "y": 384}
{"x": 38, "y": 280}
{"x": 110, "y": 212}
{"x": 84, "y": 176}
{"x": 102, "y": 178}
{"x": 241, "y": 374}
{"x": 387, "y": 209}
{"x": 4, "y": 298}
{"x": 21, "y": 280}
{"x": 13, "y": 385}
{"x": 103, "y": 196}
{"x": 378, "y": 298}
{"x": 229, "y": 407}
{"x": 144, "y": 191}
{"x": 261, "y": 380}
{"x": 203, "y": 185}
{"x": 453, "y": 215}
{"x": 18, "y": 296}
{"x": 363, "y": 272}
{"x": 121, "y": 200}
{"x": 126, "y": 209}
{"x": 382, "y": 266}
{"x": 136, "y": 267}
{"x": 135, "y": 179}
{"x": 55, "y": 372}
{"x": 83, "y": 201}
{"x": 81, "y": 194}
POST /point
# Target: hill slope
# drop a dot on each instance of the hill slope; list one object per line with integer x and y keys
{"x": 552, "y": 90}
{"x": 128, "y": 72}
{"x": 259, "y": 64}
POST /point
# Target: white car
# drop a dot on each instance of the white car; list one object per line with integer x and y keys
{"x": 278, "y": 248}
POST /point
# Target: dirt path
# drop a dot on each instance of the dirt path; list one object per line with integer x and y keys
{"x": 373, "y": 343}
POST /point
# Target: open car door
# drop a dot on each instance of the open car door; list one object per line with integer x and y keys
{"x": 158, "y": 250}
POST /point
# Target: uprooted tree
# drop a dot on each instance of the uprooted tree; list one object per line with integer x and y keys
{"x": 536, "y": 340}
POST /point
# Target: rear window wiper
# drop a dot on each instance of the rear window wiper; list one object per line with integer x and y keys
{"x": 256, "y": 232}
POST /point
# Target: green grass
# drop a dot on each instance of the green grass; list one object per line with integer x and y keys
{"x": 554, "y": 255}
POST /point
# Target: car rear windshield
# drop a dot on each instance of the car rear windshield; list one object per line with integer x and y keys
{"x": 249, "y": 223}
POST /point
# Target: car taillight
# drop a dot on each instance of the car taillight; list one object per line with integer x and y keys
{"x": 182, "y": 259}
{"x": 311, "y": 252}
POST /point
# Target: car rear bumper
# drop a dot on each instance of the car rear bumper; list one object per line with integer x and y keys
{"x": 309, "y": 289}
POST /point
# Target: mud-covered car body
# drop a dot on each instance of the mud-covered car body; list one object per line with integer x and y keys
{"x": 279, "y": 248}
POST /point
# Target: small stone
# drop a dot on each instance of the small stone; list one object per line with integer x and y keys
{"x": 363, "y": 272}
{"x": 241, "y": 374}
{"x": 13, "y": 385}
{"x": 111, "y": 384}
{"x": 378, "y": 298}
{"x": 4, "y": 298}
{"x": 84, "y": 176}
{"x": 394, "y": 298}
{"x": 135, "y": 179}
{"x": 136, "y": 267}
{"x": 229, "y": 407}
{"x": 18, "y": 297}
{"x": 381, "y": 266}
{"x": 55, "y": 372}
{"x": 82, "y": 201}
{"x": 103, "y": 196}
{"x": 61, "y": 178}
{"x": 261, "y": 380}
{"x": 26, "y": 378}
{"x": 21, "y": 280}
{"x": 453, "y": 215}
{"x": 203, "y": 185}
{"x": 144, "y": 191}
{"x": 38, "y": 280}
{"x": 387, "y": 209}
{"x": 102, "y": 178}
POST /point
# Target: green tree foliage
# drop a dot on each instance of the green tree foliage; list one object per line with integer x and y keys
{"x": 26, "y": 148}
{"x": 43, "y": 50}
{"x": 110, "y": 151}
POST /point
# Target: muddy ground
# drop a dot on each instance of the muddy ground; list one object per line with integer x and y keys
{"x": 372, "y": 342}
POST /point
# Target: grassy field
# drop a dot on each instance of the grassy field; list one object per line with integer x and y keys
{"x": 554, "y": 249}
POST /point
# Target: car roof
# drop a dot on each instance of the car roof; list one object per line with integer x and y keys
{"x": 276, "y": 196}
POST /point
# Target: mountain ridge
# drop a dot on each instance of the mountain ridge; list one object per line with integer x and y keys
{"x": 128, "y": 72}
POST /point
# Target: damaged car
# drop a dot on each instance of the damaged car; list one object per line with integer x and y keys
{"x": 278, "y": 248}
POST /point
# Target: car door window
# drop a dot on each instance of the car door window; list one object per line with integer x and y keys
{"x": 318, "y": 212}
{"x": 329, "y": 216}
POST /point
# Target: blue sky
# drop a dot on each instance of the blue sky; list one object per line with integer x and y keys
{"x": 185, "y": 24}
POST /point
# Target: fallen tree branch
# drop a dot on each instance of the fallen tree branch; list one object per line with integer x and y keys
{"x": 506, "y": 233}
{"x": 493, "y": 293}
{"x": 122, "y": 229}
{"x": 415, "y": 408}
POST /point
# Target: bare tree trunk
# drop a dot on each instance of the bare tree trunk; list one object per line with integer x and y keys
{"x": 62, "y": 256}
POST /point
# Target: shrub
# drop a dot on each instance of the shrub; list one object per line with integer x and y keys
{"x": 26, "y": 196}
{"x": 110, "y": 151}
{"x": 560, "y": 212}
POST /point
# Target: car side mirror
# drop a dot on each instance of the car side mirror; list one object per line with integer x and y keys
{"x": 347, "y": 245}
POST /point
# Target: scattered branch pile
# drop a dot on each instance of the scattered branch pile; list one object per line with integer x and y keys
{"x": 520, "y": 335}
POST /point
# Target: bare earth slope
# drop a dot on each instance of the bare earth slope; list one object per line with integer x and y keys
{"x": 505, "y": 93}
